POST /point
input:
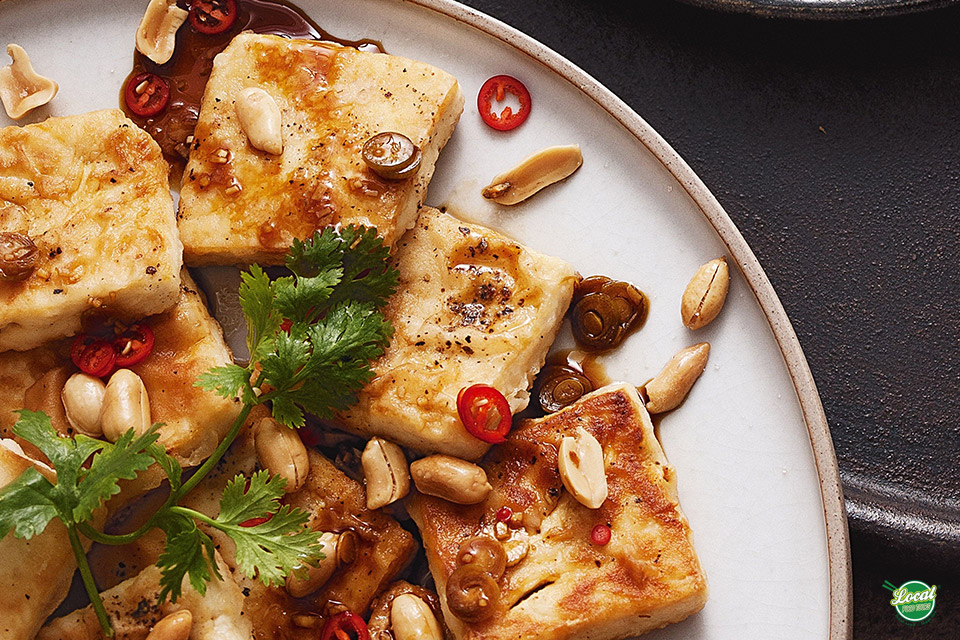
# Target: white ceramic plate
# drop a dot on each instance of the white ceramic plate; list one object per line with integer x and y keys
{"x": 757, "y": 475}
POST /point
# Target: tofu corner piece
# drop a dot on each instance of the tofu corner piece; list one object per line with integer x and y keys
{"x": 91, "y": 191}
{"x": 35, "y": 574}
{"x": 646, "y": 577}
{"x": 472, "y": 307}
{"x": 133, "y": 607}
{"x": 189, "y": 342}
{"x": 240, "y": 205}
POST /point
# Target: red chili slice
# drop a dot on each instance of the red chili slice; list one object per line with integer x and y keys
{"x": 345, "y": 626}
{"x": 504, "y": 513}
{"x": 134, "y": 344}
{"x": 495, "y": 90}
{"x": 474, "y": 405}
{"x": 93, "y": 356}
{"x": 600, "y": 534}
{"x": 213, "y": 16}
{"x": 253, "y": 522}
{"x": 147, "y": 94}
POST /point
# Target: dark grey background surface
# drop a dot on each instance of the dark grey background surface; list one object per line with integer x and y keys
{"x": 834, "y": 148}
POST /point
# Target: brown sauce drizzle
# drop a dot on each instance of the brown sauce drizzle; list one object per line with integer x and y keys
{"x": 586, "y": 363}
{"x": 581, "y": 362}
{"x": 192, "y": 61}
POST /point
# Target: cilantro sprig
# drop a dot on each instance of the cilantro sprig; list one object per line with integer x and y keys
{"x": 312, "y": 337}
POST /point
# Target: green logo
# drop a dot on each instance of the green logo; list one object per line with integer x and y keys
{"x": 913, "y": 600}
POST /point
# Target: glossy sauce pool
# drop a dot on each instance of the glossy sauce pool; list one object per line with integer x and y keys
{"x": 189, "y": 68}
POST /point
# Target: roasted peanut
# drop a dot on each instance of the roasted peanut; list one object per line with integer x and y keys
{"x": 21, "y": 88}
{"x": 386, "y": 472}
{"x": 126, "y": 406}
{"x": 157, "y": 33}
{"x": 412, "y": 619}
{"x": 581, "y": 468}
{"x": 450, "y": 478}
{"x": 18, "y": 256}
{"x": 260, "y": 119}
{"x": 673, "y": 383}
{"x": 338, "y": 550}
{"x": 540, "y": 170}
{"x": 82, "y": 397}
{"x": 176, "y": 626}
{"x": 703, "y": 298}
{"x": 282, "y": 453}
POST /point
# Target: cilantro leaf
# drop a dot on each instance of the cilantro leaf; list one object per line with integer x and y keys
{"x": 114, "y": 462}
{"x": 257, "y": 302}
{"x": 228, "y": 381}
{"x": 323, "y": 372}
{"x": 188, "y": 552}
{"x": 271, "y": 549}
{"x": 362, "y": 257}
{"x": 241, "y": 502}
{"x": 66, "y": 455}
{"x": 27, "y": 505}
{"x": 169, "y": 464}
{"x": 299, "y": 298}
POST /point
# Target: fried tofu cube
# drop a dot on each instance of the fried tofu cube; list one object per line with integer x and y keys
{"x": 648, "y": 574}
{"x": 240, "y": 205}
{"x": 188, "y": 343}
{"x": 134, "y": 608}
{"x": 91, "y": 192}
{"x": 335, "y": 503}
{"x": 472, "y": 307}
{"x": 35, "y": 574}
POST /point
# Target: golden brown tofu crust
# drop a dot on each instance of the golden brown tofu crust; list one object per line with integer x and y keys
{"x": 647, "y": 576}
{"x": 91, "y": 191}
{"x": 35, "y": 574}
{"x": 188, "y": 343}
{"x": 134, "y": 607}
{"x": 472, "y": 307}
{"x": 332, "y": 99}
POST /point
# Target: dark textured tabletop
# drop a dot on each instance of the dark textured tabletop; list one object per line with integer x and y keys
{"x": 835, "y": 148}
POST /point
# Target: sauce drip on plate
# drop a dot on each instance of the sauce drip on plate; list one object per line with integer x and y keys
{"x": 192, "y": 61}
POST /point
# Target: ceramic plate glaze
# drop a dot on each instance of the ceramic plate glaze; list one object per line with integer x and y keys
{"x": 757, "y": 475}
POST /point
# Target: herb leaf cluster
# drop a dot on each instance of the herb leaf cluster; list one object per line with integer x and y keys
{"x": 312, "y": 334}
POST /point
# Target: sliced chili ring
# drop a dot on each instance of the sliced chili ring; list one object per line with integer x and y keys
{"x": 495, "y": 90}
{"x": 485, "y": 413}
{"x": 213, "y": 16}
{"x": 146, "y": 94}
{"x": 134, "y": 344}
{"x": 93, "y": 356}
{"x": 345, "y": 626}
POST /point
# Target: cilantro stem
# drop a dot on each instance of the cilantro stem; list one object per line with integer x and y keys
{"x": 202, "y": 471}
{"x": 88, "y": 582}
{"x": 196, "y": 515}
{"x": 212, "y": 461}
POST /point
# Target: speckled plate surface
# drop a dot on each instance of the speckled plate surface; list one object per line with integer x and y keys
{"x": 757, "y": 475}
{"x": 822, "y": 9}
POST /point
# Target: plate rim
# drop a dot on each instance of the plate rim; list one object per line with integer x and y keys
{"x": 821, "y": 10}
{"x": 831, "y": 491}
